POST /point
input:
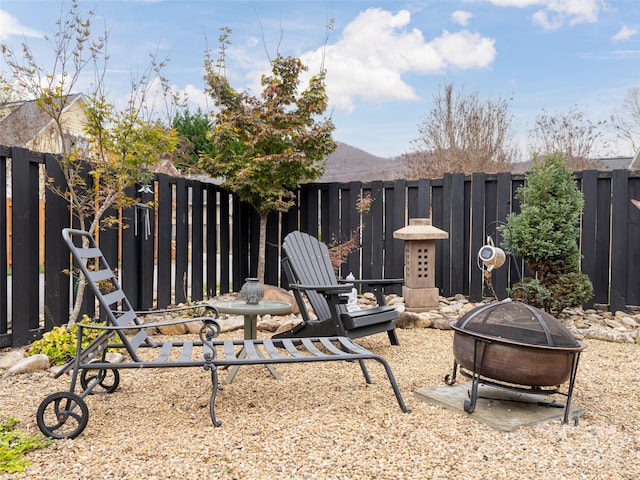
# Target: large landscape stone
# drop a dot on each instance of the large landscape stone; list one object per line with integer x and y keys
{"x": 9, "y": 359}
{"x": 34, "y": 363}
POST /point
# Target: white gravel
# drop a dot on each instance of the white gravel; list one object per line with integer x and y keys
{"x": 323, "y": 422}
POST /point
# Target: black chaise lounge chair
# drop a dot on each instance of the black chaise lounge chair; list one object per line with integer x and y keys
{"x": 308, "y": 268}
{"x": 65, "y": 414}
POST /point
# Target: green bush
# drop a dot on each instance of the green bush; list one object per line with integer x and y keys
{"x": 59, "y": 344}
{"x": 14, "y": 444}
{"x": 545, "y": 234}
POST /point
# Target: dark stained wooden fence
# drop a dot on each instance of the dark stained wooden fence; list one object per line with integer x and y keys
{"x": 200, "y": 241}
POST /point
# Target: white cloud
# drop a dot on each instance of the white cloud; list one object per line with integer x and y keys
{"x": 10, "y": 26}
{"x": 465, "y": 49}
{"x": 461, "y": 17}
{"x": 555, "y": 13}
{"x": 625, "y": 33}
{"x": 377, "y": 48}
{"x": 374, "y": 51}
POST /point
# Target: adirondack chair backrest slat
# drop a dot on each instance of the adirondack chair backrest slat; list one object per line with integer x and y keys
{"x": 311, "y": 265}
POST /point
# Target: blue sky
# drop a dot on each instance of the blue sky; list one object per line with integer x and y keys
{"x": 385, "y": 60}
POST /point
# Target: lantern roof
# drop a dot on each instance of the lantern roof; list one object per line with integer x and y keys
{"x": 420, "y": 229}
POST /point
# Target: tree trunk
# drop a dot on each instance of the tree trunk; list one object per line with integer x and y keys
{"x": 262, "y": 246}
{"x": 82, "y": 281}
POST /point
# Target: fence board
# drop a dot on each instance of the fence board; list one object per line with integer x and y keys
{"x": 5, "y": 337}
{"x": 393, "y": 247}
{"x": 25, "y": 295}
{"x": 478, "y": 184}
{"x": 272, "y": 250}
{"x": 225, "y": 244}
{"x": 619, "y": 242}
{"x": 503, "y": 209}
{"x": 240, "y": 240}
{"x": 145, "y": 221}
{"x": 589, "y": 186}
{"x": 58, "y": 261}
{"x": 456, "y": 231}
{"x": 197, "y": 249}
{"x": 633, "y": 245}
{"x": 309, "y": 218}
{"x": 181, "y": 267}
{"x": 352, "y": 227}
{"x": 211, "y": 226}
{"x": 372, "y": 228}
{"x": 442, "y": 246}
{"x": 130, "y": 265}
{"x": 164, "y": 240}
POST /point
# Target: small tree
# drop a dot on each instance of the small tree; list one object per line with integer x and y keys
{"x": 545, "y": 234}
{"x": 193, "y": 139}
{"x": 463, "y": 134}
{"x": 121, "y": 145}
{"x": 571, "y": 134}
{"x": 627, "y": 122}
{"x": 266, "y": 146}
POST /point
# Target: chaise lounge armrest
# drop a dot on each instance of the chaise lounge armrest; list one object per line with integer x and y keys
{"x": 145, "y": 325}
{"x": 207, "y": 307}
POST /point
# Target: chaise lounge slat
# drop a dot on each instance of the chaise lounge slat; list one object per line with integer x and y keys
{"x": 271, "y": 349}
{"x": 251, "y": 351}
{"x": 291, "y": 348}
{"x": 229, "y": 351}
{"x": 165, "y": 352}
{"x": 311, "y": 348}
{"x": 187, "y": 350}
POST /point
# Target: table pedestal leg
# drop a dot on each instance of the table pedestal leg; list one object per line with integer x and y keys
{"x": 250, "y": 333}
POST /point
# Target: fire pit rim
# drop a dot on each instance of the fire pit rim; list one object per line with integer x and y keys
{"x": 581, "y": 345}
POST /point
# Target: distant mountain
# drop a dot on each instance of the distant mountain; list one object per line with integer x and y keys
{"x": 350, "y": 164}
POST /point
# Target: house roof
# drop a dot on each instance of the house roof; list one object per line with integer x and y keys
{"x": 24, "y": 121}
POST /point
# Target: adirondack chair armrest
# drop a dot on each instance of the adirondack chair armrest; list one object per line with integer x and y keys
{"x": 324, "y": 289}
{"x": 334, "y": 294}
{"x": 378, "y": 286}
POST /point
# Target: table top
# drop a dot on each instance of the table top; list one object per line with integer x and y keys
{"x": 240, "y": 307}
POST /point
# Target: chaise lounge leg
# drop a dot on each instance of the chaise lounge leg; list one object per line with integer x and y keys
{"x": 394, "y": 385}
{"x": 212, "y": 402}
{"x": 365, "y": 372}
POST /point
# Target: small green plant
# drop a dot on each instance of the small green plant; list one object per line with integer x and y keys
{"x": 59, "y": 344}
{"x": 545, "y": 234}
{"x": 14, "y": 444}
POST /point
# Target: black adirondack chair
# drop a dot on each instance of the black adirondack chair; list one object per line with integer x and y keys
{"x": 308, "y": 268}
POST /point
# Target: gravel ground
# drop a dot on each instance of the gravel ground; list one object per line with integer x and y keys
{"x": 323, "y": 422}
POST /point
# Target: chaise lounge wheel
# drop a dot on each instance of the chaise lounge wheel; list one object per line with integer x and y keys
{"x": 62, "y": 415}
{"x": 107, "y": 378}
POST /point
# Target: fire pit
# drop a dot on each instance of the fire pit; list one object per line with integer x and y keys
{"x": 513, "y": 345}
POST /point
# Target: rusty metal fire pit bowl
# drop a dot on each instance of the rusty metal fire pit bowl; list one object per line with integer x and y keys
{"x": 516, "y": 346}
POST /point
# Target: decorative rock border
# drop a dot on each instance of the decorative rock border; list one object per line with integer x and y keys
{"x": 620, "y": 327}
